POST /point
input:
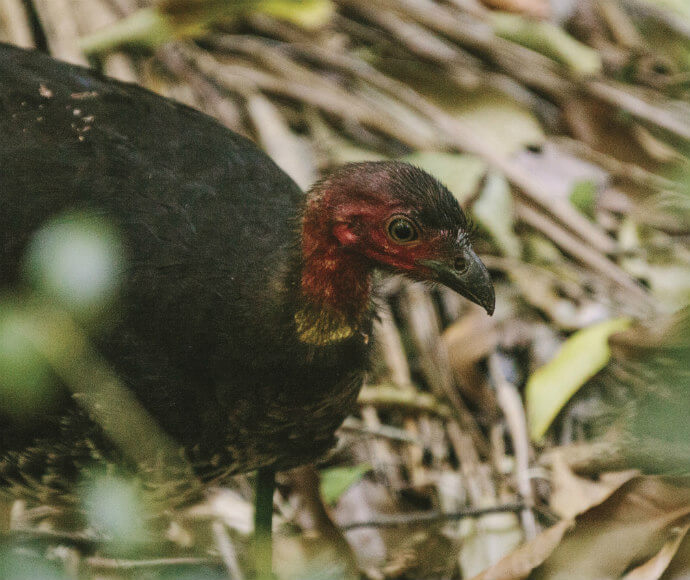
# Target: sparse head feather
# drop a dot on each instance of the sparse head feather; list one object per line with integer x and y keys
{"x": 389, "y": 216}
{"x": 428, "y": 200}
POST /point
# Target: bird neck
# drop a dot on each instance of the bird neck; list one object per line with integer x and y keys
{"x": 335, "y": 283}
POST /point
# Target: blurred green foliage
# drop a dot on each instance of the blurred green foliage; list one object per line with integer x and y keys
{"x": 77, "y": 260}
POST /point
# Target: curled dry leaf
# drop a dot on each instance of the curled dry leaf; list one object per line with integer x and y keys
{"x": 636, "y": 523}
{"x": 573, "y": 494}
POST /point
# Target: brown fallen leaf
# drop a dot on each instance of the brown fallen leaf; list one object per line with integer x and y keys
{"x": 522, "y": 561}
{"x": 573, "y": 494}
{"x": 655, "y": 567}
{"x": 679, "y": 568}
{"x": 634, "y": 524}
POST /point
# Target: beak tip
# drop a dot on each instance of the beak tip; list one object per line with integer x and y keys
{"x": 489, "y": 304}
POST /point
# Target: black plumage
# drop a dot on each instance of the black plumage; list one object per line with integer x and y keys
{"x": 209, "y": 329}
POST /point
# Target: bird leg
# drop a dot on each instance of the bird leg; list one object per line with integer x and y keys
{"x": 263, "y": 520}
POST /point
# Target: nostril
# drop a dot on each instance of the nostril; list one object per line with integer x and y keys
{"x": 460, "y": 264}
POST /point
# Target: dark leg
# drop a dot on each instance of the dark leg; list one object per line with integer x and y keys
{"x": 263, "y": 520}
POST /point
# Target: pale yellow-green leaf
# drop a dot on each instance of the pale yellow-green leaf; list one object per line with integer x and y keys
{"x": 146, "y": 27}
{"x": 548, "y": 39}
{"x": 460, "y": 173}
{"x": 336, "y": 480}
{"x": 174, "y": 19}
{"x": 550, "y": 387}
{"x": 305, "y": 13}
{"x": 541, "y": 250}
{"x": 27, "y": 385}
{"x": 494, "y": 211}
{"x": 499, "y": 121}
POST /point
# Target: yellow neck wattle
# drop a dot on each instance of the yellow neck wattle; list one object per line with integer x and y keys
{"x": 321, "y": 328}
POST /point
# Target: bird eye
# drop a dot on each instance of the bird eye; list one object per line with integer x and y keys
{"x": 401, "y": 230}
{"x": 460, "y": 264}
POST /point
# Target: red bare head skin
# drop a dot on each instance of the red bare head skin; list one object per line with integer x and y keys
{"x": 385, "y": 215}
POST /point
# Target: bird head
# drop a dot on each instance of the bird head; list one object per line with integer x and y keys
{"x": 395, "y": 217}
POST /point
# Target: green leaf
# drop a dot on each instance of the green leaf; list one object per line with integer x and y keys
{"x": 336, "y": 480}
{"x": 494, "y": 211}
{"x": 548, "y": 39}
{"x": 78, "y": 261}
{"x": 174, "y": 19}
{"x": 583, "y": 197}
{"x": 550, "y": 387}
{"x": 27, "y": 385}
{"x": 305, "y": 13}
{"x": 460, "y": 173}
{"x": 115, "y": 506}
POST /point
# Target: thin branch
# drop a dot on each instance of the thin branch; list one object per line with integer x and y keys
{"x": 431, "y": 517}
{"x": 101, "y": 563}
{"x": 14, "y": 22}
{"x": 57, "y": 19}
{"x": 514, "y": 412}
{"x": 578, "y": 250}
{"x": 227, "y": 550}
{"x": 648, "y": 106}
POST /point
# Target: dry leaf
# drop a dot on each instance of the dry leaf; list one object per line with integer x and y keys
{"x": 638, "y": 522}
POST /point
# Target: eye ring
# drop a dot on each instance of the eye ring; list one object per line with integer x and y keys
{"x": 402, "y": 230}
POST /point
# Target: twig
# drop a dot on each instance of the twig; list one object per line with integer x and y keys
{"x": 424, "y": 325}
{"x": 621, "y": 170}
{"x": 455, "y": 134}
{"x": 390, "y": 396}
{"x": 383, "y": 431}
{"x": 85, "y": 540}
{"x": 314, "y": 517}
{"x": 529, "y": 67}
{"x": 277, "y": 139}
{"x": 619, "y": 24}
{"x": 428, "y": 517}
{"x": 227, "y": 550}
{"x": 667, "y": 17}
{"x": 15, "y": 23}
{"x": 239, "y": 78}
{"x": 650, "y": 106}
{"x": 223, "y": 108}
{"x": 95, "y": 14}
{"x": 389, "y": 342}
{"x": 514, "y": 412}
{"x": 57, "y": 19}
{"x": 584, "y": 253}
{"x": 101, "y": 563}
{"x": 385, "y": 458}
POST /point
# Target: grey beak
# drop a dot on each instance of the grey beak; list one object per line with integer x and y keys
{"x": 467, "y": 275}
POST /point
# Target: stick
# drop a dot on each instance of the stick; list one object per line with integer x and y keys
{"x": 427, "y": 517}
{"x": 263, "y": 520}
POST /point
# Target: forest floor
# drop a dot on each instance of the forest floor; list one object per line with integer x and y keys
{"x": 551, "y": 440}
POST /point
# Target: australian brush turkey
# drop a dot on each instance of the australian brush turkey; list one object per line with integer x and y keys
{"x": 242, "y": 323}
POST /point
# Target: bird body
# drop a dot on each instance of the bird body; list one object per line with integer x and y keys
{"x": 242, "y": 323}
